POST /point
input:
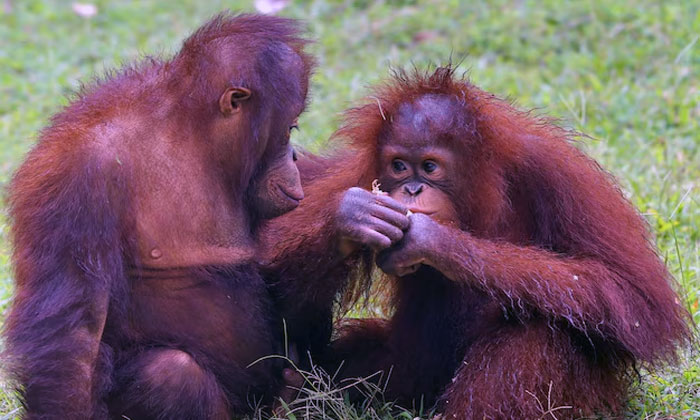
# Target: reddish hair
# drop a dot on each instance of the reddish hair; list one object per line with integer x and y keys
{"x": 580, "y": 211}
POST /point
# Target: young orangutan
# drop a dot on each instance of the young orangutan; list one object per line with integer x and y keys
{"x": 133, "y": 220}
{"x": 523, "y": 284}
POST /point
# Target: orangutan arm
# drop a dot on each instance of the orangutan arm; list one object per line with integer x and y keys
{"x": 592, "y": 296}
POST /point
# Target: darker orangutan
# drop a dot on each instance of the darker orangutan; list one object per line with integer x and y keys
{"x": 133, "y": 221}
{"x": 523, "y": 285}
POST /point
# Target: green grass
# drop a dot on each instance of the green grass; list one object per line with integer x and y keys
{"x": 625, "y": 72}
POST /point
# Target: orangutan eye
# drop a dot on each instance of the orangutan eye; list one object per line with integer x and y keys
{"x": 293, "y": 127}
{"x": 429, "y": 166}
{"x": 398, "y": 166}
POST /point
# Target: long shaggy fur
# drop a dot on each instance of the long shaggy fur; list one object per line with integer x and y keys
{"x": 72, "y": 214}
{"x": 561, "y": 291}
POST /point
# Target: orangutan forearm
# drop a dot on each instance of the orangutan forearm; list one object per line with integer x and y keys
{"x": 585, "y": 292}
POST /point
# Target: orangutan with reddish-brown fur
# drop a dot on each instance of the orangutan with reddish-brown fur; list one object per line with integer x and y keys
{"x": 133, "y": 220}
{"x": 523, "y": 284}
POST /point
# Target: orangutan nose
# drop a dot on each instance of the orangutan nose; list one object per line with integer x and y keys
{"x": 413, "y": 189}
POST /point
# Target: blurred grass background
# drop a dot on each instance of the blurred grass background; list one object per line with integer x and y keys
{"x": 625, "y": 72}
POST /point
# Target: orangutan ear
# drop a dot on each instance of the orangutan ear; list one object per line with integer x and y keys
{"x": 232, "y": 98}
